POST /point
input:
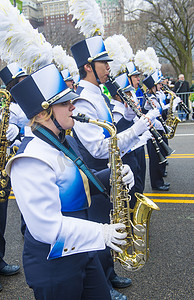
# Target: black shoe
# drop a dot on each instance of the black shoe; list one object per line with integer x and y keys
{"x": 120, "y": 282}
{"x": 165, "y": 174}
{"x": 115, "y": 295}
{"x": 1, "y": 287}
{"x": 10, "y": 270}
{"x": 167, "y": 184}
{"x": 161, "y": 188}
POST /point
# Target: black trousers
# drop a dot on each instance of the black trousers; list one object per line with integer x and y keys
{"x": 156, "y": 169}
{"x": 3, "y": 219}
{"x": 79, "y": 276}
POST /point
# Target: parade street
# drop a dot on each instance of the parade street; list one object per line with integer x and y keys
{"x": 168, "y": 274}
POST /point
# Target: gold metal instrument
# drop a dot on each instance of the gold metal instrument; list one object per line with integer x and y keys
{"x": 5, "y": 98}
{"x": 171, "y": 120}
{"x": 166, "y": 89}
{"x": 136, "y": 251}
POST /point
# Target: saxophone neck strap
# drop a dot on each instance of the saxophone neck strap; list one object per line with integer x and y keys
{"x": 46, "y": 135}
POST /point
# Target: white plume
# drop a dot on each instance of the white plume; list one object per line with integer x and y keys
{"x": 118, "y": 65}
{"x": 144, "y": 63}
{"x": 89, "y": 17}
{"x": 72, "y": 66}
{"x": 63, "y": 61}
{"x": 126, "y": 49}
{"x": 59, "y": 55}
{"x": 120, "y": 51}
{"x": 20, "y": 42}
{"x": 153, "y": 56}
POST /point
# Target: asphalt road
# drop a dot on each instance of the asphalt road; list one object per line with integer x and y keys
{"x": 168, "y": 274}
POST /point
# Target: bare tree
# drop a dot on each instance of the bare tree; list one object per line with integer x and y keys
{"x": 170, "y": 24}
{"x": 66, "y": 36}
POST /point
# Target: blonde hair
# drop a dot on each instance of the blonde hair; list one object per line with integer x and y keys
{"x": 37, "y": 120}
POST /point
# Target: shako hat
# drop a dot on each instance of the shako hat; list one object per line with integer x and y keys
{"x": 88, "y": 50}
{"x": 131, "y": 69}
{"x": 123, "y": 81}
{"x": 66, "y": 75}
{"x": 40, "y": 90}
{"x": 76, "y": 79}
{"x": 10, "y": 72}
{"x": 152, "y": 79}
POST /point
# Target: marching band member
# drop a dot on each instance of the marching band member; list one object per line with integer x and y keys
{"x": 10, "y": 75}
{"x": 60, "y": 243}
{"x": 156, "y": 169}
{"x": 92, "y": 61}
{"x": 131, "y": 158}
{"x": 68, "y": 78}
{"x": 134, "y": 79}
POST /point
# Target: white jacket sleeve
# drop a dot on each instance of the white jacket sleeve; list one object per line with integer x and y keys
{"x": 38, "y": 199}
{"x": 93, "y": 138}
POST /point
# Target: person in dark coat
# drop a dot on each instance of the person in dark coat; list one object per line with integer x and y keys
{"x": 182, "y": 88}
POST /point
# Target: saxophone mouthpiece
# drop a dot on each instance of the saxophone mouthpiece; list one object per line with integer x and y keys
{"x": 81, "y": 118}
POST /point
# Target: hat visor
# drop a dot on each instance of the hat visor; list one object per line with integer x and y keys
{"x": 129, "y": 88}
{"x": 103, "y": 57}
{"x": 134, "y": 73}
{"x": 159, "y": 81}
{"x": 22, "y": 75}
{"x": 68, "y": 78}
{"x": 69, "y": 96}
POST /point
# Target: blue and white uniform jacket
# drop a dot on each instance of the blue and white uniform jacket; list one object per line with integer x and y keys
{"x": 48, "y": 185}
{"x": 118, "y": 113}
{"x": 94, "y": 138}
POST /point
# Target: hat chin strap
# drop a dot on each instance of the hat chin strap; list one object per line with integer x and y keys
{"x": 94, "y": 70}
{"x": 131, "y": 80}
{"x": 62, "y": 131}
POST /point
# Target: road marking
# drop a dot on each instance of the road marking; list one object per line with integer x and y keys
{"x": 172, "y": 201}
{"x": 161, "y": 197}
{"x": 183, "y": 134}
{"x": 180, "y": 155}
{"x": 169, "y": 196}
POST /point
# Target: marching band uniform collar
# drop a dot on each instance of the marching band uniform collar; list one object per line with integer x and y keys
{"x": 90, "y": 86}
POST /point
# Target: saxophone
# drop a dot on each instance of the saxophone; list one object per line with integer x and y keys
{"x": 136, "y": 251}
{"x": 171, "y": 121}
{"x": 5, "y": 98}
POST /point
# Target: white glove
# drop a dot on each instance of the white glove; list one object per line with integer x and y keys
{"x": 112, "y": 236}
{"x": 176, "y": 101}
{"x": 12, "y": 132}
{"x": 141, "y": 125}
{"x": 166, "y": 106}
{"x": 146, "y": 136}
{"x": 153, "y": 114}
{"x": 127, "y": 176}
{"x": 129, "y": 114}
